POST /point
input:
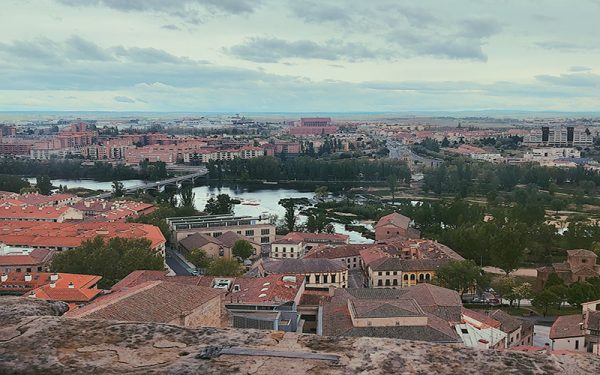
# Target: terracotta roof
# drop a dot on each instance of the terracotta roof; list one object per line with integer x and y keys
{"x": 480, "y": 317}
{"x": 336, "y": 252}
{"x": 229, "y": 238}
{"x": 567, "y": 326}
{"x": 317, "y": 237}
{"x": 141, "y": 276}
{"x": 69, "y": 288}
{"x": 276, "y": 289}
{"x": 39, "y": 199}
{"x": 303, "y": 266}
{"x": 337, "y": 320}
{"x": 386, "y": 308}
{"x": 197, "y": 240}
{"x": 153, "y": 301}
{"x": 35, "y": 257}
{"x": 395, "y": 219}
{"x": 581, "y": 253}
{"x": 33, "y": 212}
{"x": 50, "y": 234}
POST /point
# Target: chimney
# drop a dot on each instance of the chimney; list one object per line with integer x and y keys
{"x": 71, "y": 285}
{"x": 54, "y": 277}
{"x": 4, "y": 277}
{"x": 27, "y": 276}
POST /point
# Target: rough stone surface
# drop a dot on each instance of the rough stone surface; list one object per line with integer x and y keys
{"x": 34, "y": 340}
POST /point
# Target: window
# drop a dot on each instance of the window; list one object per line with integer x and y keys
{"x": 307, "y": 278}
{"x": 265, "y": 231}
{"x": 379, "y": 273}
{"x": 576, "y": 344}
{"x": 249, "y": 232}
{"x": 18, "y": 270}
{"x": 395, "y": 283}
{"x": 29, "y": 269}
{"x": 284, "y": 249}
{"x": 464, "y": 331}
{"x": 264, "y": 240}
{"x": 387, "y": 273}
{"x": 276, "y": 248}
{"x": 421, "y": 277}
{"x": 394, "y": 273}
{"x": 333, "y": 278}
{"x": 405, "y": 277}
{"x": 325, "y": 279}
{"x": 217, "y": 234}
{"x": 379, "y": 283}
{"x": 412, "y": 277}
{"x": 318, "y": 279}
{"x": 387, "y": 282}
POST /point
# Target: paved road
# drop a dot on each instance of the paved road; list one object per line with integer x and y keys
{"x": 540, "y": 336}
{"x": 355, "y": 279}
{"x": 177, "y": 264}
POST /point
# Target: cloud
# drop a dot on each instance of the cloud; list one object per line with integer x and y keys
{"x": 189, "y": 10}
{"x": 123, "y": 99}
{"x": 579, "y": 69}
{"x": 262, "y": 49}
{"x": 318, "y": 12}
{"x": 81, "y": 49}
{"x": 563, "y": 46}
{"x": 170, "y": 27}
{"x": 581, "y": 80}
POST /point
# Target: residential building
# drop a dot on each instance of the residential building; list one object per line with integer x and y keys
{"x": 159, "y": 302}
{"x": 220, "y": 246}
{"x": 551, "y": 153}
{"x": 349, "y": 254}
{"x": 421, "y": 313}
{"x": 311, "y": 240}
{"x": 266, "y": 302}
{"x": 287, "y": 248}
{"x": 518, "y": 331}
{"x": 43, "y": 213}
{"x": 69, "y": 288}
{"x": 404, "y": 262}
{"x": 36, "y": 260}
{"x": 560, "y": 136}
{"x": 478, "y": 330}
{"x": 578, "y": 332}
{"x": 395, "y": 225}
{"x": 64, "y": 236}
{"x": 256, "y": 229}
{"x": 318, "y": 273}
{"x": 313, "y": 126}
{"x": 580, "y": 265}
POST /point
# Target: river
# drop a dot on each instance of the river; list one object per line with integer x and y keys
{"x": 256, "y": 199}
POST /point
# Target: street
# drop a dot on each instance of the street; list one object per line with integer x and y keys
{"x": 355, "y": 279}
{"x": 540, "y": 336}
{"x": 177, "y": 264}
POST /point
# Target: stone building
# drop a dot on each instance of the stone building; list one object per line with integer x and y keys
{"x": 580, "y": 265}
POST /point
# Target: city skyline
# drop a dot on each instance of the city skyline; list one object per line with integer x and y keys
{"x": 298, "y": 56}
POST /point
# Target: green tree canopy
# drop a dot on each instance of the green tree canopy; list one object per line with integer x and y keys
{"x": 221, "y": 205}
{"x": 461, "y": 276}
{"x": 198, "y": 258}
{"x": 112, "y": 259}
{"x": 43, "y": 184}
{"x": 242, "y": 249}
{"x": 118, "y": 190}
{"x": 225, "y": 267}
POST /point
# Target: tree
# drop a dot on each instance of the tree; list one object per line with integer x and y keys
{"x": 581, "y": 292}
{"x": 392, "y": 182}
{"x": 118, "y": 190}
{"x": 507, "y": 246}
{"x": 461, "y": 276}
{"x": 558, "y": 204}
{"x": 12, "y": 183}
{"x": 242, "y": 249}
{"x": 553, "y": 280}
{"x": 290, "y": 214}
{"x": 225, "y": 267}
{"x": 221, "y": 205}
{"x": 321, "y": 192}
{"x": 505, "y": 285}
{"x": 522, "y": 291}
{"x": 43, "y": 184}
{"x": 112, "y": 259}
{"x": 544, "y": 300}
{"x": 198, "y": 258}
{"x": 317, "y": 222}
{"x": 187, "y": 195}
{"x": 445, "y": 142}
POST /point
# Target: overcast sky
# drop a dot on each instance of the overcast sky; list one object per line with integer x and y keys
{"x": 296, "y": 55}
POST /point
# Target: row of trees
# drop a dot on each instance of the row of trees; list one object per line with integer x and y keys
{"x": 556, "y": 293}
{"x": 73, "y": 169}
{"x": 464, "y": 177}
{"x": 307, "y": 168}
{"x": 12, "y": 183}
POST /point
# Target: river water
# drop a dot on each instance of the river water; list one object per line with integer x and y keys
{"x": 257, "y": 200}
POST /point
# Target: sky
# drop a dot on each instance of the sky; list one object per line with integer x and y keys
{"x": 299, "y": 55}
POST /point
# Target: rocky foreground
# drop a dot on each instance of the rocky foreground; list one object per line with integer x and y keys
{"x": 34, "y": 339}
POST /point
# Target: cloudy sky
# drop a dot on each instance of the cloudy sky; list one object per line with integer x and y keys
{"x": 299, "y": 55}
